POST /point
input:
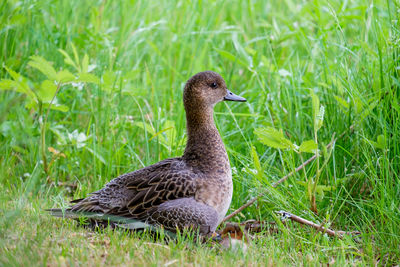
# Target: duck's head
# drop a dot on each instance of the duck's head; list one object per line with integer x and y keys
{"x": 207, "y": 88}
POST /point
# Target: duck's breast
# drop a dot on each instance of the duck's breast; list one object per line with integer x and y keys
{"x": 217, "y": 193}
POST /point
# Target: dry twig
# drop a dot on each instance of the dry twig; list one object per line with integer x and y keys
{"x": 339, "y": 234}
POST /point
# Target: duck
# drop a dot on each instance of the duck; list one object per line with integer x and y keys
{"x": 193, "y": 191}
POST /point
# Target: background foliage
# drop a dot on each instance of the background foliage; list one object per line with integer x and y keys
{"x": 96, "y": 88}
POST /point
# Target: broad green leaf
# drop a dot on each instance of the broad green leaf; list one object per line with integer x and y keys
{"x": 43, "y": 66}
{"x": 85, "y": 63}
{"x": 55, "y": 106}
{"x": 316, "y": 110}
{"x": 34, "y": 105}
{"x": 68, "y": 60}
{"x": 320, "y": 117}
{"x": 109, "y": 79}
{"x": 46, "y": 91}
{"x": 273, "y": 138}
{"x": 308, "y": 146}
{"x": 64, "y": 76}
{"x": 15, "y": 75}
{"x": 375, "y": 144}
{"x": 88, "y": 78}
{"x": 381, "y": 141}
{"x": 6, "y": 84}
{"x": 21, "y": 83}
{"x": 256, "y": 162}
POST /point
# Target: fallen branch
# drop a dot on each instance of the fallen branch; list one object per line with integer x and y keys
{"x": 295, "y": 218}
{"x": 284, "y": 178}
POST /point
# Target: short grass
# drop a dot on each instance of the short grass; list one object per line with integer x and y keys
{"x": 274, "y": 53}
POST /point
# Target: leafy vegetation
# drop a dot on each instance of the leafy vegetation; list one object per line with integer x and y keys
{"x": 90, "y": 90}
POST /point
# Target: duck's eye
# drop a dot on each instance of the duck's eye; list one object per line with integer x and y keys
{"x": 213, "y": 85}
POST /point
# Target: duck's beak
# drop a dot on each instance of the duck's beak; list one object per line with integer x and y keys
{"x": 232, "y": 97}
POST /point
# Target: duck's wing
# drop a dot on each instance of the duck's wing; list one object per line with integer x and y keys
{"x": 170, "y": 180}
{"x": 133, "y": 194}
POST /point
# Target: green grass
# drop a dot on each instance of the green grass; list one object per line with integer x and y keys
{"x": 274, "y": 53}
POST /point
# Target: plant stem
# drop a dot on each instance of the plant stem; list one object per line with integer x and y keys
{"x": 43, "y": 131}
{"x": 315, "y": 182}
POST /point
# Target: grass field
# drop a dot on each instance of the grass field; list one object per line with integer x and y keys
{"x": 129, "y": 60}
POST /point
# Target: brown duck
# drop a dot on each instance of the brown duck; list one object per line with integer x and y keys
{"x": 193, "y": 191}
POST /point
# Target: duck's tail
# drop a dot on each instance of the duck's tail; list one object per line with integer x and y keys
{"x": 64, "y": 213}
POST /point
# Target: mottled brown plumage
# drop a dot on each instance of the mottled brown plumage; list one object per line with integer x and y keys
{"x": 192, "y": 191}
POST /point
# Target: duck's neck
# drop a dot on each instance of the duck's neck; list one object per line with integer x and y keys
{"x": 204, "y": 148}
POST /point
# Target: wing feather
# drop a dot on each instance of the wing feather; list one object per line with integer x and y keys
{"x": 134, "y": 194}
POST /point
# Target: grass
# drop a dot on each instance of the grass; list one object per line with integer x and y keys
{"x": 272, "y": 53}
